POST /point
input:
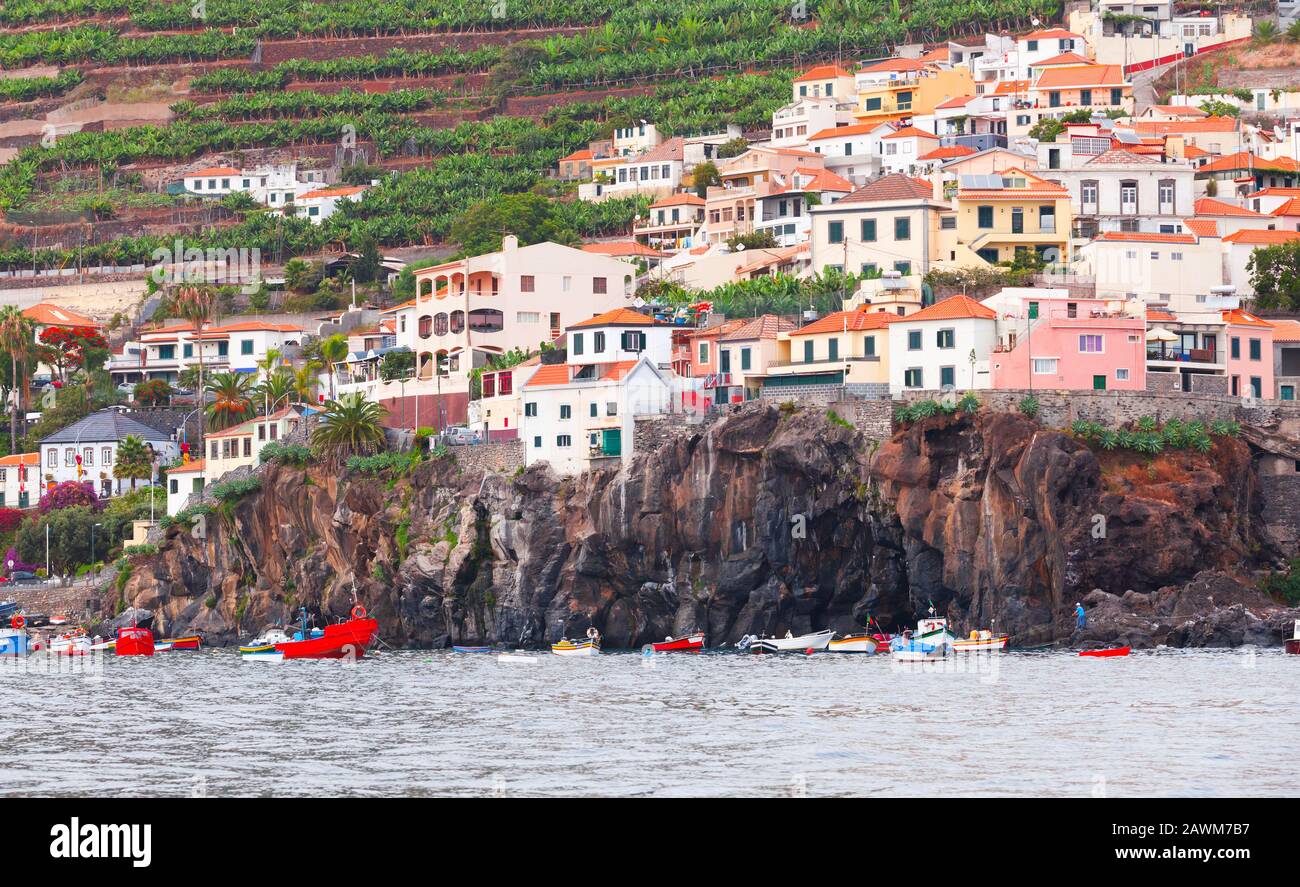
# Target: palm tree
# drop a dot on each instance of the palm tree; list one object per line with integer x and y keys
{"x": 304, "y": 381}
{"x": 17, "y": 336}
{"x": 277, "y": 386}
{"x": 334, "y": 349}
{"x": 198, "y": 305}
{"x": 350, "y": 426}
{"x": 134, "y": 460}
{"x": 232, "y": 400}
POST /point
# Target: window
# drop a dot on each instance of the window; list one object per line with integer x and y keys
{"x": 808, "y": 351}
{"x": 215, "y": 450}
{"x": 1017, "y": 220}
{"x": 704, "y": 352}
{"x": 744, "y": 359}
{"x": 598, "y": 342}
{"x": 869, "y": 346}
{"x": 537, "y": 442}
{"x": 566, "y": 411}
{"x": 1044, "y": 366}
{"x": 1121, "y": 374}
{"x": 1033, "y": 46}
{"x": 440, "y": 324}
{"x": 187, "y": 351}
{"x": 577, "y": 343}
{"x": 1254, "y": 349}
{"x": 833, "y": 349}
{"x": 530, "y": 408}
{"x": 563, "y": 440}
{"x": 246, "y": 346}
{"x": 1088, "y": 194}
{"x": 526, "y": 317}
{"x": 1116, "y": 96}
{"x": 88, "y": 456}
{"x": 1257, "y": 386}
{"x": 947, "y": 377}
{"x": 868, "y": 230}
{"x": 313, "y": 210}
{"x": 1091, "y": 344}
{"x": 593, "y": 412}
{"x": 248, "y": 447}
{"x": 633, "y": 340}
{"x": 985, "y": 214}
{"x": 1054, "y": 98}
{"x": 1047, "y": 219}
{"x": 948, "y": 223}
{"x": 106, "y": 457}
{"x": 912, "y": 378}
{"x": 1166, "y": 191}
{"x": 527, "y": 283}
{"x": 52, "y": 459}
{"x": 913, "y": 340}
{"x": 724, "y": 361}
{"x": 1236, "y": 348}
{"x": 598, "y": 285}
{"x": 166, "y": 352}
{"x": 902, "y": 228}
{"x": 261, "y": 428}
{"x": 1085, "y": 96}
{"x": 173, "y": 486}
{"x": 611, "y": 408}
{"x": 69, "y": 456}
{"x": 903, "y": 268}
{"x": 946, "y": 338}
{"x": 869, "y": 269}
{"x": 835, "y": 232}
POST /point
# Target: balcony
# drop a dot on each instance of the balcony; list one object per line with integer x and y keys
{"x": 795, "y": 366}
{"x": 1169, "y": 353}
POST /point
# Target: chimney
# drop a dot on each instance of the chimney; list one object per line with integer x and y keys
{"x": 936, "y": 184}
{"x": 509, "y": 243}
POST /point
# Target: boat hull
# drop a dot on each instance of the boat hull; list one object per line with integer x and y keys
{"x": 134, "y": 642}
{"x": 817, "y": 641}
{"x": 343, "y": 640}
{"x": 14, "y": 642}
{"x": 79, "y": 646}
{"x": 1293, "y": 646}
{"x": 576, "y": 648}
{"x": 458, "y": 649}
{"x": 853, "y": 644}
{"x": 1106, "y": 654}
{"x": 690, "y": 643}
{"x": 192, "y": 643}
{"x": 980, "y": 645}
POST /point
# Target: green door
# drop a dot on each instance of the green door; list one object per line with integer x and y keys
{"x": 611, "y": 442}
{"x": 1098, "y": 383}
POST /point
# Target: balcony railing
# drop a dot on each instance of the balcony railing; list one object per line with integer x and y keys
{"x": 1181, "y": 354}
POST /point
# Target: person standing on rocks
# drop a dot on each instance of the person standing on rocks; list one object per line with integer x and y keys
{"x": 1080, "y": 616}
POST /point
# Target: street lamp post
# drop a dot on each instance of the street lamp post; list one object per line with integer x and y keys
{"x": 93, "y": 571}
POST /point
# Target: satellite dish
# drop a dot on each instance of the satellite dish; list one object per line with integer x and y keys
{"x": 740, "y": 247}
{"x": 1034, "y": 22}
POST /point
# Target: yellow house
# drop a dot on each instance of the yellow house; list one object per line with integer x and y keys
{"x": 1002, "y": 214}
{"x": 846, "y": 348}
{"x": 898, "y": 88}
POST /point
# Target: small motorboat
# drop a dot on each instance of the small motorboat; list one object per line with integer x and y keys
{"x": 687, "y": 643}
{"x": 816, "y": 641}
{"x": 457, "y": 648}
{"x": 854, "y": 643}
{"x": 8, "y": 609}
{"x": 72, "y": 643}
{"x": 14, "y": 640}
{"x": 590, "y": 646}
{"x": 1293, "y": 645}
{"x": 134, "y": 641}
{"x": 343, "y": 640}
{"x": 983, "y": 641}
{"x": 187, "y": 643}
{"x": 931, "y": 641}
{"x": 1112, "y": 651}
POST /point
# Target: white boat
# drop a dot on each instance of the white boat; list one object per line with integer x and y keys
{"x": 816, "y": 641}
{"x": 981, "y": 642}
{"x": 265, "y": 642}
{"x": 75, "y": 644}
{"x": 854, "y": 643}
{"x": 931, "y": 641}
{"x": 271, "y": 657}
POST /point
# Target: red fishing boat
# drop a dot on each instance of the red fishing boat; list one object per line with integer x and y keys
{"x": 1113, "y": 651}
{"x": 189, "y": 643}
{"x": 687, "y": 643}
{"x": 343, "y": 640}
{"x": 1293, "y": 645}
{"x": 134, "y": 641}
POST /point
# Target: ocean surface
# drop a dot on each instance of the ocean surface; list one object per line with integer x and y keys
{"x": 1165, "y": 722}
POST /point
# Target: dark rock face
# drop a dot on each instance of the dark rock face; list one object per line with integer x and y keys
{"x": 767, "y": 521}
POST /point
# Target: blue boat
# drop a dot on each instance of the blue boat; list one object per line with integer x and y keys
{"x": 7, "y": 609}
{"x": 14, "y": 642}
{"x": 455, "y": 648}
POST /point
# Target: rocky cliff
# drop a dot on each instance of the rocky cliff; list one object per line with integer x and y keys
{"x": 768, "y": 520}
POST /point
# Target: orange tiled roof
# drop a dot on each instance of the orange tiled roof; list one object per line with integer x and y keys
{"x": 1164, "y": 127}
{"x": 1011, "y": 87}
{"x": 1246, "y": 160}
{"x": 851, "y": 130}
{"x": 822, "y": 72}
{"x": 20, "y": 459}
{"x": 52, "y": 315}
{"x": 1192, "y": 152}
{"x": 897, "y": 65}
{"x": 195, "y": 465}
{"x": 938, "y": 54}
{"x": 1286, "y": 330}
{"x": 1276, "y": 192}
{"x": 583, "y": 154}
{"x": 948, "y": 152}
{"x": 1257, "y": 237}
{"x": 1081, "y": 75}
{"x": 764, "y": 327}
{"x": 213, "y": 171}
{"x": 620, "y": 369}
{"x": 1208, "y": 206}
{"x": 1160, "y": 315}
{"x": 1202, "y": 227}
{"x": 340, "y": 191}
{"x": 908, "y": 132}
{"x": 1051, "y": 34}
{"x": 838, "y": 321}
{"x": 1145, "y": 237}
{"x": 1181, "y": 110}
{"x": 1065, "y": 58}
{"x": 960, "y": 101}
{"x": 1241, "y": 317}
{"x": 894, "y": 186}
{"x": 954, "y": 308}
{"x": 549, "y": 374}
{"x": 622, "y": 248}
{"x": 1290, "y": 208}
{"x": 679, "y": 200}
{"x": 615, "y": 317}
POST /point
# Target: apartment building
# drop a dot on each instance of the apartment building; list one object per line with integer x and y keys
{"x": 1001, "y": 215}
{"x": 944, "y": 346}
{"x": 892, "y": 223}
{"x": 165, "y": 352}
{"x": 86, "y": 450}
{"x": 20, "y": 480}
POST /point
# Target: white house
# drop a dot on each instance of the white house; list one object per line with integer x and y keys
{"x": 20, "y": 480}
{"x": 1177, "y": 270}
{"x": 579, "y": 412}
{"x": 87, "y": 450}
{"x": 165, "y": 352}
{"x": 851, "y": 151}
{"x": 182, "y": 481}
{"x": 945, "y": 345}
{"x": 901, "y": 150}
{"x": 1238, "y": 248}
{"x": 318, "y": 205}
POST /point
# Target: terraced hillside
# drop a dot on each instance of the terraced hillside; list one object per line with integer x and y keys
{"x": 449, "y": 92}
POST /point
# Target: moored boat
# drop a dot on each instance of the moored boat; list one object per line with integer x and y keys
{"x": 853, "y": 643}
{"x": 816, "y": 642}
{"x": 457, "y": 648}
{"x": 14, "y": 640}
{"x": 1293, "y": 645}
{"x": 1111, "y": 651}
{"x": 931, "y": 641}
{"x": 981, "y": 642}
{"x": 187, "y": 643}
{"x": 73, "y": 643}
{"x": 687, "y": 643}
{"x": 343, "y": 640}
{"x": 134, "y": 641}
{"x": 589, "y": 646}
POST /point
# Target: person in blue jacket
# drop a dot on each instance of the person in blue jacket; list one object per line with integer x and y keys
{"x": 1080, "y": 616}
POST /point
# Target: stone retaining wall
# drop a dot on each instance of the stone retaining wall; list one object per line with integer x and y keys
{"x": 497, "y": 455}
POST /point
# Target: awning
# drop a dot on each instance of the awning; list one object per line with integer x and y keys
{"x": 1160, "y": 334}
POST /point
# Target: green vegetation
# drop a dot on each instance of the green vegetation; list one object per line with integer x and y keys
{"x": 1275, "y": 275}
{"x": 1284, "y": 586}
{"x": 349, "y": 426}
{"x": 285, "y": 454}
{"x": 1149, "y": 438}
{"x": 233, "y": 490}
{"x": 1028, "y": 406}
{"x": 776, "y": 294}
{"x": 26, "y": 89}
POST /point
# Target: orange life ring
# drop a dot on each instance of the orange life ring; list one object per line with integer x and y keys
{"x": 358, "y": 612}
{"x": 18, "y": 621}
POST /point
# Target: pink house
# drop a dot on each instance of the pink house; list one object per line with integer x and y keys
{"x": 1049, "y": 339}
{"x": 1250, "y": 354}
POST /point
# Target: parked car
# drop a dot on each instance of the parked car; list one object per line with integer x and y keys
{"x": 461, "y": 434}
{"x": 21, "y": 577}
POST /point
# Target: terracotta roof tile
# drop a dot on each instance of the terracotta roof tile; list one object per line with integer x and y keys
{"x": 1202, "y": 227}
{"x": 1081, "y": 75}
{"x": 894, "y": 186}
{"x": 186, "y": 468}
{"x": 340, "y": 191}
{"x": 1065, "y": 58}
{"x": 948, "y": 152}
{"x": 1257, "y": 237}
{"x": 1145, "y": 237}
{"x": 1242, "y": 317}
{"x": 832, "y": 132}
{"x": 822, "y": 72}
{"x": 1166, "y": 127}
{"x": 53, "y": 315}
{"x": 679, "y": 200}
{"x": 765, "y": 327}
{"x": 1286, "y": 330}
{"x": 908, "y": 132}
{"x": 622, "y": 248}
{"x": 1208, "y": 206}
{"x": 615, "y": 317}
{"x": 953, "y": 308}
{"x": 902, "y": 65}
{"x": 858, "y": 319}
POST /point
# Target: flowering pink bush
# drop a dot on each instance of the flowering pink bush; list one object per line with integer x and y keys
{"x": 70, "y": 493}
{"x": 10, "y": 518}
{"x": 12, "y": 555}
